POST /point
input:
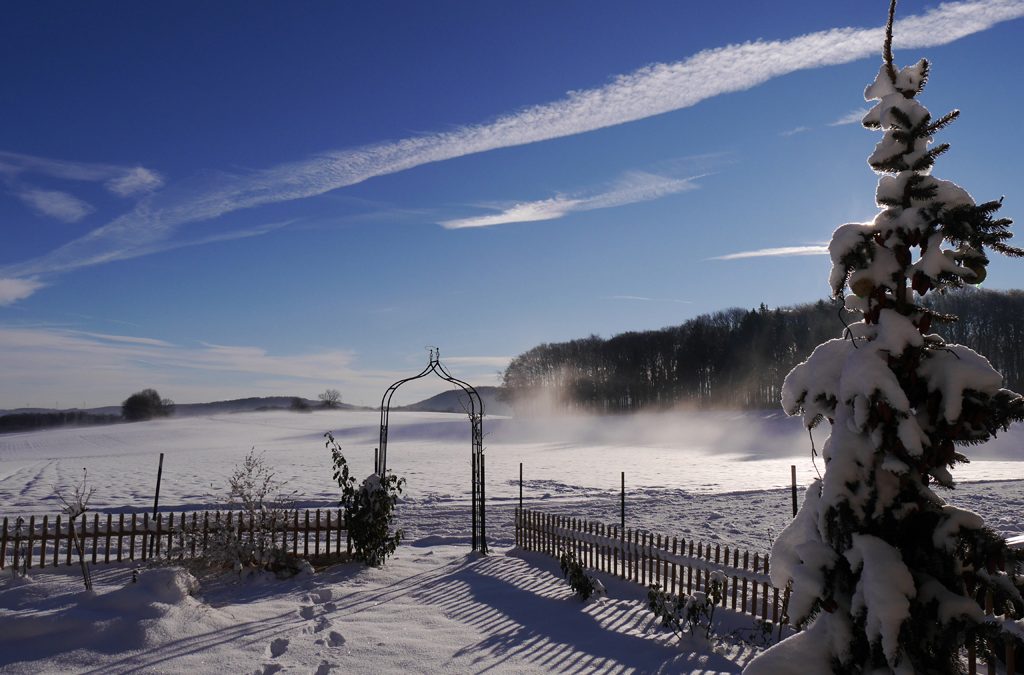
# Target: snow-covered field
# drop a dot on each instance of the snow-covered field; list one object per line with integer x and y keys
{"x": 435, "y": 607}
{"x": 714, "y": 476}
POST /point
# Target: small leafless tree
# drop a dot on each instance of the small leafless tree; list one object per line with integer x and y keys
{"x": 76, "y": 504}
{"x": 331, "y": 398}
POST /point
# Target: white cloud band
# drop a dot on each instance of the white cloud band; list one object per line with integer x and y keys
{"x": 634, "y": 187}
{"x": 817, "y": 249}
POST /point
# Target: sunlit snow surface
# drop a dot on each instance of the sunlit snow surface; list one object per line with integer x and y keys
{"x": 712, "y": 476}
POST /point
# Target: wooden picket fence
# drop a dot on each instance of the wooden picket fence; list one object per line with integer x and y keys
{"x": 677, "y": 565}
{"x": 34, "y": 543}
{"x": 673, "y": 563}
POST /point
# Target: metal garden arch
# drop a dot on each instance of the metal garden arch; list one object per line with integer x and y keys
{"x": 476, "y": 419}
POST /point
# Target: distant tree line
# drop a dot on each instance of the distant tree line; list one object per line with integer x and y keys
{"x": 735, "y": 358}
{"x": 40, "y": 420}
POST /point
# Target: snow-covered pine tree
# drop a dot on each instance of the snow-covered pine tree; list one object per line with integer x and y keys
{"x": 884, "y": 573}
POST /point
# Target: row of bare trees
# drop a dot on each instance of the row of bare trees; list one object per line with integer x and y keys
{"x": 734, "y": 358}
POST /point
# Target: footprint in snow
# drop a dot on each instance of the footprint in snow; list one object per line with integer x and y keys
{"x": 324, "y": 595}
{"x": 335, "y": 639}
{"x": 277, "y": 647}
{"x": 321, "y": 624}
{"x": 325, "y": 667}
{"x": 306, "y": 611}
{"x": 330, "y": 607}
{"x": 268, "y": 669}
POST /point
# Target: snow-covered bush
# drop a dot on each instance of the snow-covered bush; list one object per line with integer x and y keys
{"x": 257, "y": 496}
{"x": 887, "y": 575}
{"x": 368, "y": 509}
{"x": 687, "y": 611}
{"x": 582, "y": 584}
{"x": 760, "y": 634}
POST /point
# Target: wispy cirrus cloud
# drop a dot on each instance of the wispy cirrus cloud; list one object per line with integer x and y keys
{"x": 632, "y": 188}
{"x": 852, "y": 117}
{"x": 782, "y": 251}
{"x": 794, "y": 131}
{"x": 135, "y": 181}
{"x": 55, "y": 204}
{"x": 12, "y": 290}
{"x": 124, "y": 181}
{"x": 483, "y": 361}
{"x": 47, "y": 364}
{"x": 643, "y": 93}
{"x": 643, "y": 298}
{"x": 44, "y": 364}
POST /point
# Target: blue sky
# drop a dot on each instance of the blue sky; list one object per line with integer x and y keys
{"x": 234, "y": 199}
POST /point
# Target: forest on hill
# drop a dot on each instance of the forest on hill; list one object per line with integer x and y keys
{"x": 736, "y": 358}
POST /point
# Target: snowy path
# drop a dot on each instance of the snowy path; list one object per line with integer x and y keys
{"x": 431, "y": 609}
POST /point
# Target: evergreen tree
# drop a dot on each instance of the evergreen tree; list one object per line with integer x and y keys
{"x": 885, "y": 574}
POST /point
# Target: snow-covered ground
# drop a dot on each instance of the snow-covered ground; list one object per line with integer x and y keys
{"x": 435, "y": 607}
{"x": 430, "y": 610}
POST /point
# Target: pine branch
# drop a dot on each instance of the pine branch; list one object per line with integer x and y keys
{"x": 926, "y": 70}
{"x": 887, "y": 46}
{"x": 929, "y": 157}
{"x": 943, "y": 121}
{"x": 901, "y": 117}
{"x": 894, "y": 164}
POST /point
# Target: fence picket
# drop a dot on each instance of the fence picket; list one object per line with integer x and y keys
{"x": 106, "y": 539}
{"x": 95, "y": 533}
{"x": 328, "y": 549}
{"x": 17, "y": 544}
{"x": 31, "y": 540}
{"x": 159, "y": 532}
{"x": 195, "y": 535}
{"x": 145, "y": 536}
{"x": 746, "y": 567}
{"x": 764, "y": 590}
{"x": 71, "y": 538}
{"x": 675, "y": 565}
{"x": 689, "y": 568}
{"x": 42, "y": 543}
{"x": 131, "y": 540}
